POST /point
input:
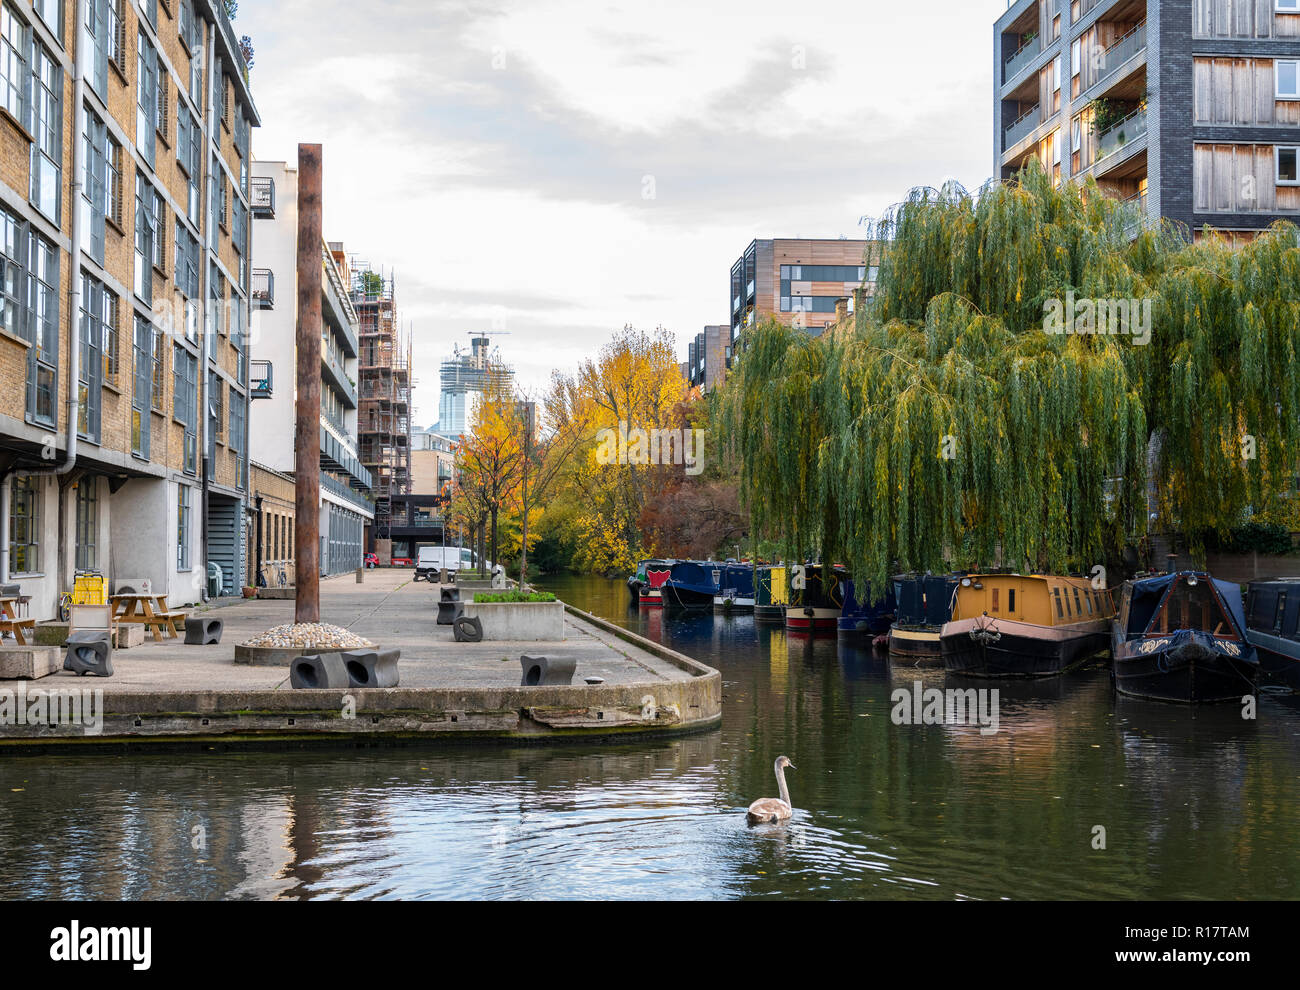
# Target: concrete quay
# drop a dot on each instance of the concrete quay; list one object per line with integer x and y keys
{"x": 169, "y": 694}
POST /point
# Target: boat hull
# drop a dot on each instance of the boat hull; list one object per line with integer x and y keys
{"x": 678, "y": 596}
{"x": 724, "y": 605}
{"x": 1188, "y": 666}
{"x": 1006, "y": 648}
{"x": 803, "y": 618}
{"x": 651, "y": 599}
{"x": 770, "y": 613}
{"x": 1278, "y": 661}
{"x": 920, "y": 644}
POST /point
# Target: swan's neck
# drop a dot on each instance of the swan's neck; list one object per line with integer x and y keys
{"x": 780, "y": 783}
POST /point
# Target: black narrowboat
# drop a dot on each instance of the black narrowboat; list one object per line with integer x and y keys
{"x": 924, "y": 605}
{"x": 1182, "y": 637}
{"x": 1273, "y": 628}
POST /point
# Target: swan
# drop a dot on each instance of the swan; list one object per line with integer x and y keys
{"x": 773, "y": 809}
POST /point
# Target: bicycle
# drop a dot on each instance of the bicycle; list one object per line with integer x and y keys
{"x": 274, "y": 571}
{"x": 87, "y": 589}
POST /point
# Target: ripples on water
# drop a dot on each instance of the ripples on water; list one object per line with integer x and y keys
{"x": 1195, "y": 803}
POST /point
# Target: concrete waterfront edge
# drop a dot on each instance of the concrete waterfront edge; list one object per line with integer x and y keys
{"x": 399, "y": 716}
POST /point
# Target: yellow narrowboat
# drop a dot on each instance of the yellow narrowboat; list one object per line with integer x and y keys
{"x": 771, "y": 595}
{"x": 1025, "y": 625}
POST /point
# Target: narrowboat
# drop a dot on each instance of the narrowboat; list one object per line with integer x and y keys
{"x": 1273, "y": 628}
{"x": 692, "y": 584}
{"x": 1182, "y": 637}
{"x": 924, "y": 605}
{"x": 735, "y": 588}
{"x": 865, "y": 619}
{"x": 770, "y": 597}
{"x": 656, "y": 573}
{"x": 816, "y": 596}
{"x": 1024, "y": 625}
{"x": 638, "y": 583}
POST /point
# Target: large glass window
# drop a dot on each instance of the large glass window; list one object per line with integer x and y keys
{"x": 43, "y": 328}
{"x": 47, "y": 126}
{"x": 87, "y": 524}
{"x": 25, "y": 525}
{"x": 146, "y": 119}
{"x": 146, "y": 227}
{"x": 158, "y": 384}
{"x": 97, "y": 308}
{"x": 95, "y": 197}
{"x": 1288, "y": 79}
{"x": 13, "y": 63}
{"x": 51, "y": 12}
{"x": 185, "y": 400}
{"x": 142, "y": 386}
{"x": 1287, "y": 174}
{"x": 184, "y": 495}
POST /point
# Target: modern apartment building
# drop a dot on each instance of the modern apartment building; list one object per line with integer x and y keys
{"x": 346, "y": 507}
{"x": 796, "y": 281}
{"x": 384, "y": 423}
{"x": 1188, "y": 108}
{"x": 708, "y": 357}
{"x": 464, "y": 375}
{"x": 124, "y": 243}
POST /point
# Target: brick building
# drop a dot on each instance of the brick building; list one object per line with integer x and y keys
{"x": 124, "y": 240}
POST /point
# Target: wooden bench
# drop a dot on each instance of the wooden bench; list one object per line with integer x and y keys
{"x": 18, "y": 627}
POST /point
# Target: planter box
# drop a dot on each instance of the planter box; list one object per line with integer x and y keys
{"x": 29, "y": 663}
{"x": 521, "y": 621}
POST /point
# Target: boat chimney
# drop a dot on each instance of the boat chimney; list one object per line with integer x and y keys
{"x": 1171, "y": 563}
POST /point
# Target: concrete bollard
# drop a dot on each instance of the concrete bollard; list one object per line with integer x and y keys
{"x": 541, "y": 671}
{"x": 372, "y": 668}
{"x": 360, "y": 572}
{"x": 319, "y": 670}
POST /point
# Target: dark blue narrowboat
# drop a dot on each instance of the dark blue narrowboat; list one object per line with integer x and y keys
{"x": 1182, "y": 637}
{"x": 924, "y": 605}
{"x": 735, "y": 588}
{"x": 692, "y": 584}
{"x": 1273, "y": 627}
{"x": 864, "y": 618}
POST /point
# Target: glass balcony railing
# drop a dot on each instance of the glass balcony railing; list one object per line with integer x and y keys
{"x": 1120, "y": 135}
{"x": 1016, "y": 64}
{"x": 1122, "y": 51}
{"x": 1021, "y": 128}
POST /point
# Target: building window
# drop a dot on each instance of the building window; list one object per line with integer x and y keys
{"x": 159, "y": 233}
{"x": 1288, "y": 6}
{"x": 146, "y": 227}
{"x": 187, "y": 263}
{"x": 216, "y": 324}
{"x": 183, "y": 503}
{"x": 87, "y": 524}
{"x": 25, "y": 525}
{"x": 158, "y": 384}
{"x": 43, "y": 330}
{"x": 1287, "y": 174}
{"x": 217, "y": 401}
{"x": 1288, "y": 79}
{"x": 13, "y": 64}
{"x": 115, "y": 35}
{"x": 238, "y": 416}
{"x": 185, "y": 400}
{"x": 189, "y": 154}
{"x": 94, "y": 199}
{"x": 113, "y": 182}
{"x": 142, "y": 386}
{"x": 90, "y": 381}
{"x": 47, "y": 126}
{"x": 51, "y": 12}
{"x": 110, "y": 338}
{"x": 146, "y": 118}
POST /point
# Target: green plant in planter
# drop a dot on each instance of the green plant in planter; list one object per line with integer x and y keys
{"x": 512, "y": 597}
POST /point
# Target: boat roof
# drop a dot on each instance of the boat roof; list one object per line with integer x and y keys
{"x": 1148, "y": 591}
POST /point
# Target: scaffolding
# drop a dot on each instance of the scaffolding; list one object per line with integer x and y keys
{"x": 384, "y": 415}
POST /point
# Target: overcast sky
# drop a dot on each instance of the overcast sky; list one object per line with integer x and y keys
{"x": 558, "y": 168}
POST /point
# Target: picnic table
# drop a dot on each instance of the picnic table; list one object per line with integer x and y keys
{"x": 9, "y": 621}
{"x": 149, "y": 611}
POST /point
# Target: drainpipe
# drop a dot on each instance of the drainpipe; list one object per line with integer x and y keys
{"x": 209, "y": 128}
{"x": 79, "y": 69}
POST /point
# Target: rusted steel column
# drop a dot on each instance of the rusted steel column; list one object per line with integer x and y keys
{"x": 306, "y": 527}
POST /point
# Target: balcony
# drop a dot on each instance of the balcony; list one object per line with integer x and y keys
{"x": 261, "y": 197}
{"x": 333, "y": 374}
{"x": 1119, "y": 54}
{"x": 1020, "y": 61}
{"x": 1023, "y": 126}
{"x": 335, "y": 487}
{"x": 1121, "y": 136}
{"x": 263, "y": 284}
{"x": 261, "y": 379}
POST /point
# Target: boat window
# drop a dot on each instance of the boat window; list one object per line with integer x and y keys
{"x": 1078, "y": 607}
{"x": 1060, "y": 614}
{"x": 1197, "y": 607}
{"x": 1281, "y": 611}
{"x": 1011, "y": 600}
{"x": 1088, "y": 601}
{"x": 995, "y": 599}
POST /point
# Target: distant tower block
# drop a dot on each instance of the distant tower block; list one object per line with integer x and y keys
{"x": 467, "y": 373}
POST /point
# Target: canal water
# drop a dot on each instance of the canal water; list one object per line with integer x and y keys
{"x": 1078, "y": 795}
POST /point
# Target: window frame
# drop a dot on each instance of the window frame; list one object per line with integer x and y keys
{"x": 1277, "y": 164}
{"x": 1277, "y": 78}
{"x": 28, "y": 490}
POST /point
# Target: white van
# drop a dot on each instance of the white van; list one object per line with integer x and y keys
{"x": 430, "y": 560}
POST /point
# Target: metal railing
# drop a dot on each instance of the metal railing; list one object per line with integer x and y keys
{"x": 336, "y": 487}
{"x": 261, "y": 196}
{"x": 263, "y": 283}
{"x": 261, "y": 379}
{"x": 1021, "y": 127}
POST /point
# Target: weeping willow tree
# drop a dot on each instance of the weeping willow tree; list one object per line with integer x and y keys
{"x": 955, "y": 425}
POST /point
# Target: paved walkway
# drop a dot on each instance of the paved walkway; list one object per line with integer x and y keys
{"x": 390, "y": 610}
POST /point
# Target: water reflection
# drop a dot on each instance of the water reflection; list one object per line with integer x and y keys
{"x": 1192, "y": 802}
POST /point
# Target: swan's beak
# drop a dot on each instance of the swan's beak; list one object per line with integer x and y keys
{"x": 792, "y": 766}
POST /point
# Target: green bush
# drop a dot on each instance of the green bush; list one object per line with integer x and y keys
{"x": 511, "y": 597}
